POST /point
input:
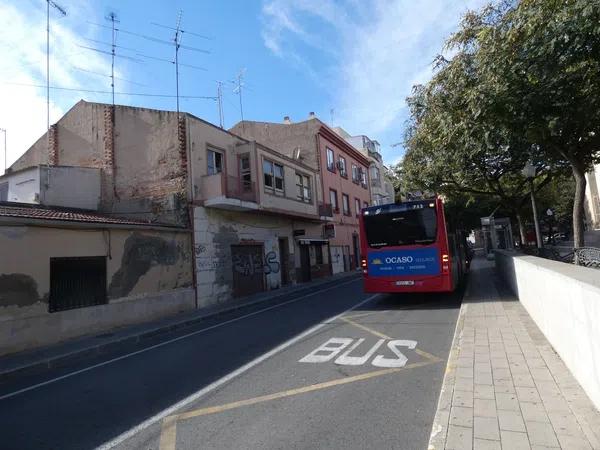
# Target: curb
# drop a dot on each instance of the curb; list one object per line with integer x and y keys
{"x": 60, "y": 359}
{"x": 439, "y": 428}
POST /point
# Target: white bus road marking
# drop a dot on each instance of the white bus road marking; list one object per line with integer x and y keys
{"x": 197, "y": 395}
{"x": 152, "y": 347}
{"x": 332, "y": 347}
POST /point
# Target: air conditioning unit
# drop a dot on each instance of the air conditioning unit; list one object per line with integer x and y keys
{"x": 297, "y": 153}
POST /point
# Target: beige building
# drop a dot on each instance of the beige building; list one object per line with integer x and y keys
{"x": 592, "y": 198}
{"x": 64, "y": 273}
{"x": 251, "y": 209}
{"x": 341, "y": 188}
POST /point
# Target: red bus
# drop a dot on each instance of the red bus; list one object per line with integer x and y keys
{"x": 409, "y": 247}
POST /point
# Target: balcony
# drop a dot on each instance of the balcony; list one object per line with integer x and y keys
{"x": 228, "y": 192}
{"x": 375, "y": 182}
{"x": 325, "y": 211}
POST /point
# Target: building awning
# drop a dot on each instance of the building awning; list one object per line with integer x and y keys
{"x": 312, "y": 241}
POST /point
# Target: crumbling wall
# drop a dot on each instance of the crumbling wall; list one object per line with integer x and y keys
{"x": 215, "y": 231}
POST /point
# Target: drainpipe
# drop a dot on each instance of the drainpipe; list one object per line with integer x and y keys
{"x": 190, "y": 203}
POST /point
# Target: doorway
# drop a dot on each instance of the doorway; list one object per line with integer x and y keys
{"x": 284, "y": 258}
{"x": 305, "y": 263}
{"x": 248, "y": 271}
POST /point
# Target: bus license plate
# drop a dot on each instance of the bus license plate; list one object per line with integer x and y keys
{"x": 405, "y": 283}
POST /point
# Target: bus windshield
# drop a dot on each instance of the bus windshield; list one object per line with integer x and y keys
{"x": 413, "y": 225}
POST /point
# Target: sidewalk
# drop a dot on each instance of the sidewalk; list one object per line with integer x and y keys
{"x": 505, "y": 387}
{"x": 45, "y": 358}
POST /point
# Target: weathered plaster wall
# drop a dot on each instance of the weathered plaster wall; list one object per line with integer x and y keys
{"x": 150, "y": 272}
{"x": 216, "y": 231}
{"x": 24, "y": 186}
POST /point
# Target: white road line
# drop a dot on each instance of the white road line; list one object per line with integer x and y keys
{"x": 186, "y": 401}
{"x": 185, "y": 336}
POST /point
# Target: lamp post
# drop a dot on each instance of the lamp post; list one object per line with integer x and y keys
{"x": 3, "y": 130}
{"x": 529, "y": 173}
{"x": 550, "y": 215}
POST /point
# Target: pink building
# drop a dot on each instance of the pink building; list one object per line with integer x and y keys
{"x": 342, "y": 186}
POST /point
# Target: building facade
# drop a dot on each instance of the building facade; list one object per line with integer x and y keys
{"x": 342, "y": 187}
{"x": 253, "y": 211}
{"x": 382, "y": 189}
{"x": 65, "y": 273}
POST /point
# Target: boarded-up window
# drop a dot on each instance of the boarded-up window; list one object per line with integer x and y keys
{"x": 77, "y": 282}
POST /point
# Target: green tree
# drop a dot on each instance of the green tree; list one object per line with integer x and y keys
{"x": 542, "y": 58}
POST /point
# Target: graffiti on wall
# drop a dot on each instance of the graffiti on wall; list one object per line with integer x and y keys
{"x": 250, "y": 264}
{"x": 208, "y": 264}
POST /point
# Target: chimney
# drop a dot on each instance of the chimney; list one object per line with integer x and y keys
{"x": 287, "y": 120}
{"x": 53, "y": 145}
{"x": 311, "y": 115}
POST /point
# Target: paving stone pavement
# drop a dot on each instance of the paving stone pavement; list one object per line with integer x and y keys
{"x": 505, "y": 387}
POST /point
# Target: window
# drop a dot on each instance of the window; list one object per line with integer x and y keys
{"x": 330, "y": 160}
{"x": 273, "y": 174}
{"x": 333, "y": 200}
{"x": 375, "y": 173}
{"x": 245, "y": 172}
{"x": 342, "y": 166}
{"x": 346, "y": 204}
{"x": 357, "y": 206}
{"x": 363, "y": 177}
{"x": 77, "y": 282}
{"x": 319, "y": 254}
{"x": 303, "y": 188}
{"x": 355, "y": 176}
{"x": 215, "y": 162}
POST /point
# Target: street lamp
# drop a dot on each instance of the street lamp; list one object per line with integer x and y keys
{"x": 529, "y": 173}
{"x": 550, "y": 215}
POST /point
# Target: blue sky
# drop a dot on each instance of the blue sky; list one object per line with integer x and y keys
{"x": 359, "y": 58}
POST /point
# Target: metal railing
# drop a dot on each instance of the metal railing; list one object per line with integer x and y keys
{"x": 240, "y": 189}
{"x": 583, "y": 256}
{"x": 325, "y": 210}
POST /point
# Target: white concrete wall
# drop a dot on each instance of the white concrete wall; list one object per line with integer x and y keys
{"x": 71, "y": 187}
{"x": 564, "y": 302}
{"x": 24, "y": 186}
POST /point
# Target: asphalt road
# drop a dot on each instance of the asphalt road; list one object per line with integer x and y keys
{"x": 252, "y": 380}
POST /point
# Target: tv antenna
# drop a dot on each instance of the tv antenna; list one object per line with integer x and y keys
{"x": 112, "y": 17}
{"x": 63, "y": 13}
{"x": 239, "y": 84}
{"x": 220, "y": 102}
{"x": 177, "y": 37}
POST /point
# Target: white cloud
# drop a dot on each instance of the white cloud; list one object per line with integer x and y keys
{"x": 379, "y": 52}
{"x": 23, "y": 63}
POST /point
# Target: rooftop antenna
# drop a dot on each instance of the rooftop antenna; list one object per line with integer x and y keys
{"x": 112, "y": 17}
{"x": 63, "y": 13}
{"x": 220, "y": 102}
{"x": 331, "y": 115}
{"x": 177, "y": 42}
{"x": 239, "y": 84}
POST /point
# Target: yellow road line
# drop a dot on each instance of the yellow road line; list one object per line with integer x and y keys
{"x": 354, "y": 316}
{"x": 168, "y": 433}
{"x": 367, "y": 329}
{"x": 297, "y": 391}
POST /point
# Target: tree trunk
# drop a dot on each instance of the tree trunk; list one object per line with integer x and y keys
{"x": 578, "y": 206}
{"x": 522, "y": 236}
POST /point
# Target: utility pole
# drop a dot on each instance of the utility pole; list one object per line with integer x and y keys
{"x": 62, "y": 11}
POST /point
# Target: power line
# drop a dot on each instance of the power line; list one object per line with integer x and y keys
{"x": 94, "y": 91}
